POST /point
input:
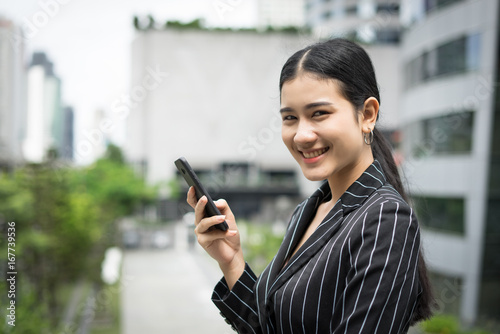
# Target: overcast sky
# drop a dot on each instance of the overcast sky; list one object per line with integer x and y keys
{"x": 89, "y": 40}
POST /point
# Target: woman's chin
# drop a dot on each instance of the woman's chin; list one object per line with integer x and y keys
{"x": 315, "y": 177}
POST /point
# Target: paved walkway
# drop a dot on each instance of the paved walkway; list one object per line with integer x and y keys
{"x": 168, "y": 291}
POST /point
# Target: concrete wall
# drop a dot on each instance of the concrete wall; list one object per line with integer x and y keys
{"x": 210, "y": 96}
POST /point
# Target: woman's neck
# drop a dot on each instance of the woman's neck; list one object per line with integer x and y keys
{"x": 343, "y": 179}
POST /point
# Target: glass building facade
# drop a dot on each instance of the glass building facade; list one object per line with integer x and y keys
{"x": 447, "y": 134}
{"x": 451, "y": 124}
{"x": 455, "y": 56}
{"x": 448, "y": 116}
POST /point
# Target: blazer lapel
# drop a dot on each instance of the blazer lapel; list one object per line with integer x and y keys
{"x": 298, "y": 226}
{"x": 358, "y": 192}
{"x": 313, "y": 244}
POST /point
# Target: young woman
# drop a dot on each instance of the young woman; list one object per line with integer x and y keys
{"x": 350, "y": 261}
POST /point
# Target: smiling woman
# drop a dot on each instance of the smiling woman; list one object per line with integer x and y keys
{"x": 322, "y": 131}
{"x": 351, "y": 260}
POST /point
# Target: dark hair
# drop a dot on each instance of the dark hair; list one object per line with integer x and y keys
{"x": 349, "y": 64}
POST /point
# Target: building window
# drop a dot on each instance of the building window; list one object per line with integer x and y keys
{"x": 392, "y": 8}
{"x": 388, "y": 36}
{"x": 441, "y": 135}
{"x": 433, "y": 5}
{"x": 453, "y": 57}
{"x": 368, "y": 35}
{"x": 440, "y": 213}
{"x": 418, "y": 10}
{"x": 351, "y": 10}
{"x": 472, "y": 49}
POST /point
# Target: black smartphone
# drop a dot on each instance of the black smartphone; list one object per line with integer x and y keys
{"x": 192, "y": 180}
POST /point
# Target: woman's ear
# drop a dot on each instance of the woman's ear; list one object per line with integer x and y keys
{"x": 370, "y": 114}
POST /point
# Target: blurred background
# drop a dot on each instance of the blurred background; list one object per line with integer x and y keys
{"x": 97, "y": 100}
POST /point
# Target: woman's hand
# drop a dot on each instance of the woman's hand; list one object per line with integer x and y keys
{"x": 223, "y": 246}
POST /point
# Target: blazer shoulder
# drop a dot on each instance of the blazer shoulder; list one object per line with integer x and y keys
{"x": 389, "y": 194}
{"x": 386, "y": 201}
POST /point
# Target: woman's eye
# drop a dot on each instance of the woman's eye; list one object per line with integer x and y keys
{"x": 288, "y": 118}
{"x": 320, "y": 113}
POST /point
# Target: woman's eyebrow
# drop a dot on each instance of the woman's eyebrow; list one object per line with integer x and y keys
{"x": 308, "y": 106}
{"x": 318, "y": 104}
{"x": 286, "y": 109}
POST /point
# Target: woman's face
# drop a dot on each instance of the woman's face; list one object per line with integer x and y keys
{"x": 321, "y": 129}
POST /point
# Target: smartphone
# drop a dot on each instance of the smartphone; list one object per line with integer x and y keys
{"x": 192, "y": 180}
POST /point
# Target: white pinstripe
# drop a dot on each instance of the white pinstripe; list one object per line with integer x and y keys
{"x": 365, "y": 270}
{"x": 376, "y": 178}
{"x": 281, "y": 305}
{"x": 239, "y": 317}
{"x": 291, "y": 301}
{"x": 386, "y": 261}
{"x": 299, "y": 254}
{"x": 395, "y": 277}
{"x": 414, "y": 274}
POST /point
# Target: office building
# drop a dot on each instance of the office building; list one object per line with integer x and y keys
{"x": 444, "y": 67}
{"x": 44, "y": 110}
{"x": 68, "y": 136}
{"x": 12, "y": 94}
{"x": 450, "y": 116}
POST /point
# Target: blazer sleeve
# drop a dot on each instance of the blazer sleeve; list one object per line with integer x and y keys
{"x": 238, "y": 306}
{"x": 382, "y": 283}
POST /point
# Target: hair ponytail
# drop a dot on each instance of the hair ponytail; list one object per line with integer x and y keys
{"x": 349, "y": 64}
{"x": 382, "y": 151}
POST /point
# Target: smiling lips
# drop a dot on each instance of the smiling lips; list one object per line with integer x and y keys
{"x": 311, "y": 156}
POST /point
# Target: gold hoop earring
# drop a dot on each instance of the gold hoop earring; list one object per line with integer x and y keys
{"x": 368, "y": 137}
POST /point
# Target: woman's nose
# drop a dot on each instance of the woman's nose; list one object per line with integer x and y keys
{"x": 305, "y": 134}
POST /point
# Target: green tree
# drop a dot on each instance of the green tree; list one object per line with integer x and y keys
{"x": 115, "y": 186}
{"x": 55, "y": 228}
{"x": 65, "y": 219}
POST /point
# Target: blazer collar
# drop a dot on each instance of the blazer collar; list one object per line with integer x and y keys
{"x": 371, "y": 179}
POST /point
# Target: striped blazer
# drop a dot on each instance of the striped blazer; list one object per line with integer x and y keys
{"x": 357, "y": 273}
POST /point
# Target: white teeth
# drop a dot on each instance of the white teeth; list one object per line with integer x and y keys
{"x": 314, "y": 154}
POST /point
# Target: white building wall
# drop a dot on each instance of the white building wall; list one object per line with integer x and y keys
{"x": 12, "y": 94}
{"x": 384, "y": 58}
{"x": 35, "y": 142}
{"x": 44, "y": 103}
{"x": 52, "y": 111}
{"x": 208, "y": 96}
{"x": 465, "y": 175}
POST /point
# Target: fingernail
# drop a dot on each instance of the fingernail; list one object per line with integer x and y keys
{"x": 221, "y": 218}
{"x": 232, "y": 232}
